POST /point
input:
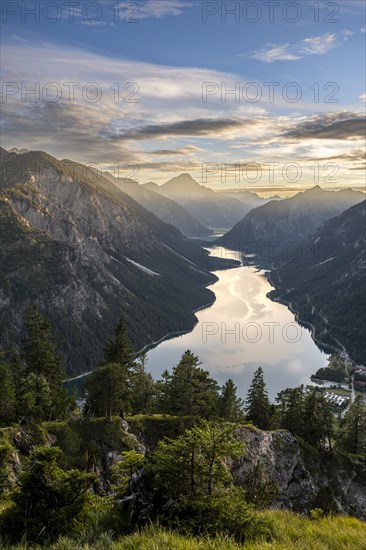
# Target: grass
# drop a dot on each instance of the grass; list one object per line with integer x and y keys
{"x": 289, "y": 531}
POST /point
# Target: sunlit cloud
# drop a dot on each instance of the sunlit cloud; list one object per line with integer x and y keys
{"x": 316, "y": 45}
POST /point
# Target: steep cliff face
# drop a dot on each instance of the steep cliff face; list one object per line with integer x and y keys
{"x": 303, "y": 477}
{"x": 86, "y": 253}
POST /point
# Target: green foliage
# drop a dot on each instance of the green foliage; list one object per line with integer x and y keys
{"x": 192, "y": 466}
{"x": 326, "y": 501}
{"x": 48, "y": 499}
{"x": 291, "y": 410}
{"x": 226, "y": 513}
{"x": 318, "y": 428}
{"x": 316, "y": 513}
{"x": 230, "y": 406}
{"x": 118, "y": 349}
{"x": 42, "y": 369}
{"x": 83, "y": 442}
{"x": 336, "y": 370}
{"x": 258, "y": 407}
{"x": 7, "y": 394}
{"x": 260, "y": 490}
{"x": 189, "y": 391}
{"x": 287, "y": 531}
{"x": 35, "y": 397}
{"x": 120, "y": 385}
{"x": 99, "y": 519}
{"x": 306, "y": 414}
{"x": 5, "y": 450}
{"x": 352, "y": 433}
{"x": 106, "y": 391}
{"x": 122, "y": 471}
{"x": 142, "y": 388}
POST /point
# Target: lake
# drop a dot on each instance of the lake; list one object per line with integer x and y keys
{"x": 242, "y": 330}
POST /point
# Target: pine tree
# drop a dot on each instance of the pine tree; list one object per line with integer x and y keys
{"x": 231, "y": 407}
{"x": 162, "y": 393}
{"x": 40, "y": 358}
{"x": 35, "y": 399}
{"x": 192, "y": 466}
{"x": 48, "y": 499}
{"x": 313, "y": 429}
{"x": 38, "y": 347}
{"x": 191, "y": 390}
{"x": 142, "y": 387}
{"x": 258, "y": 407}
{"x": 291, "y": 410}
{"x": 106, "y": 391}
{"x": 118, "y": 349}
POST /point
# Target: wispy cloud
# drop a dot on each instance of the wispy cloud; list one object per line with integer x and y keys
{"x": 157, "y": 8}
{"x": 315, "y": 45}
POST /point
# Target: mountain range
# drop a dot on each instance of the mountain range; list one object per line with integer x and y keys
{"x": 326, "y": 285}
{"x": 212, "y": 209}
{"x": 163, "y": 207}
{"x": 273, "y": 230}
{"x": 86, "y": 252}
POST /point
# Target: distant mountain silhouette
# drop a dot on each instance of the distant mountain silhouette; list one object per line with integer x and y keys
{"x": 166, "y": 209}
{"x": 210, "y": 208}
{"x": 270, "y": 231}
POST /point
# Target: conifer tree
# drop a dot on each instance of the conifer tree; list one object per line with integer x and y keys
{"x": 142, "y": 387}
{"x": 118, "y": 349}
{"x": 40, "y": 358}
{"x": 192, "y": 392}
{"x": 118, "y": 355}
{"x": 313, "y": 430}
{"x": 258, "y": 407}
{"x": 231, "y": 407}
{"x": 106, "y": 391}
{"x": 291, "y": 410}
{"x": 35, "y": 399}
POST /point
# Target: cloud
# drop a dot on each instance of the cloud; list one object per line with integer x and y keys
{"x": 169, "y": 124}
{"x": 198, "y": 127}
{"x": 316, "y": 45}
{"x": 355, "y": 158}
{"x": 189, "y": 150}
{"x": 323, "y": 128}
{"x": 156, "y": 8}
{"x": 363, "y": 97}
{"x": 273, "y": 52}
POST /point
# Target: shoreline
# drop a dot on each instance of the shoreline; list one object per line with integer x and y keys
{"x": 298, "y": 318}
{"x": 170, "y": 335}
{"x": 267, "y": 272}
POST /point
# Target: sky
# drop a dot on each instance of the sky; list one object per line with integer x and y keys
{"x": 262, "y": 93}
